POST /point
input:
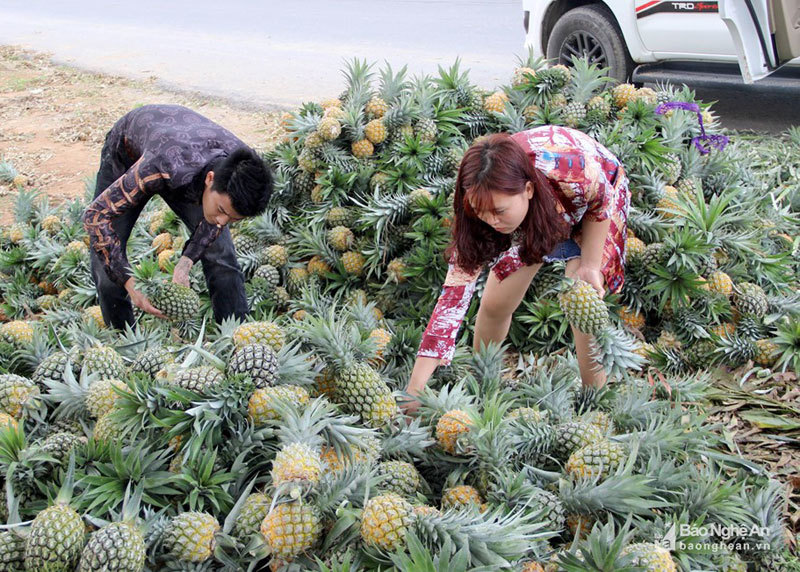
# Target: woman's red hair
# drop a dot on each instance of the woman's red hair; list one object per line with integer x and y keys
{"x": 498, "y": 163}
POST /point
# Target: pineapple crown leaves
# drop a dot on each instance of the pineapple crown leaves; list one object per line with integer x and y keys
{"x": 531, "y": 60}
{"x": 338, "y": 340}
{"x": 406, "y": 440}
{"x": 357, "y": 75}
{"x": 586, "y": 79}
{"x": 110, "y": 470}
{"x": 492, "y": 538}
{"x": 69, "y": 395}
{"x": 614, "y": 350}
{"x": 25, "y": 204}
{"x": 787, "y": 338}
{"x": 294, "y": 365}
{"x": 764, "y": 504}
{"x": 205, "y": 485}
{"x": 434, "y": 404}
{"x": 420, "y": 559}
{"x": 620, "y": 494}
{"x": 392, "y": 85}
{"x": 320, "y": 423}
{"x": 601, "y": 551}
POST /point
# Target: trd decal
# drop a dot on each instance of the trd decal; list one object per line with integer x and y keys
{"x": 659, "y": 7}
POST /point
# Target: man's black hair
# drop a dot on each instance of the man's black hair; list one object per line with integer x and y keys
{"x": 246, "y": 179}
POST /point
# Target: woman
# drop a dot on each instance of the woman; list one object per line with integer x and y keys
{"x": 550, "y": 193}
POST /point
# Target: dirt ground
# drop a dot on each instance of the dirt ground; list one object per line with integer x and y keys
{"x": 53, "y": 120}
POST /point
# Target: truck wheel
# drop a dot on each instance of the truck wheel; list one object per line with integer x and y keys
{"x": 591, "y": 31}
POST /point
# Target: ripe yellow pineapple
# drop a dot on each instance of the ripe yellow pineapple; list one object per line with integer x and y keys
{"x": 317, "y": 195}
{"x": 532, "y": 567}
{"x": 296, "y": 463}
{"x": 396, "y": 270}
{"x": 353, "y": 262}
{"x": 267, "y": 333}
{"x": 459, "y": 497}
{"x": 93, "y": 314}
{"x": 385, "y": 520}
{"x": 647, "y": 95}
{"x": 334, "y": 113}
{"x": 162, "y": 242}
{"x": 530, "y": 112}
{"x": 376, "y": 107}
{"x": 329, "y": 128}
{"x": 622, "y": 94}
{"x": 496, "y": 102}
{"x": 51, "y": 224}
{"x": 381, "y": 337}
{"x": 362, "y": 148}
{"x": 6, "y": 420}
{"x": 325, "y": 383}
{"x": 599, "y": 419}
{"x": 317, "y": 266}
{"x": 450, "y": 427}
{"x": 76, "y": 247}
{"x": 262, "y": 404}
{"x": 723, "y": 330}
{"x": 276, "y": 255}
{"x": 341, "y": 238}
{"x": 376, "y": 131}
{"x": 17, "y": 332}
{"x": 331, "y": 103}
{"x": 650, "y": 557}
{"x": 721, "y": 283}
{"x": 668, "y": 202}
{"x": 291, "y": 528}
{"x": 767, "y": 353}
{"x": 631, "y": 317}
{"x": 634, "y": 247}
{"x": 165, "y": 260}
{"x": 101, "y": 396}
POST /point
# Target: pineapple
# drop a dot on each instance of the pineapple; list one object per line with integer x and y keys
{"x": 106, "y": 430}
{"x": 269, "y": 274}
{"x": 292, "y": 528}
{"x": 586, "y": 80}
{"x": 18, "y": 333}
{"x": 166, "y": 259}
{"x": 198, "y": 379}
{"x": 598, "y": 459}
{"x": 450, "y": 428}
{"x": 399, "y": 477}
{"x": 362, "y": 148}
{"x": 750, "y": 299}
{"x": 177, "y": 302}
{"x": 632, "y": 318}
{"x": 12, "y": 549}
{"x": 17, "y": 394}
{"x": 668, "y": 203}
{"x": 720, "y": 283}
{"x": 94, "y": 315}
{"x": 583, "y": 307}
{"x": 622, "y": 94}
{"x": 532, "y": 567}
{"x": 51, "y": 224}
{"x": 376, "y": 107}
{"x": 353, "y": 262}
{"x": 646, "y": 95}
{"x": 376, "y": 131}
{"x": 118, "y": 546}
{"x": 101, "y": 396}
{"x": 190, "y": 536}
{"x": 396, "y": 270}
{"x": 6, "y": 420}
{"x": 527, "y": 414}
{"x": 150, "y": 362}
{"x": 257, "y": 361}
{"x": 340, "y": 238}
{"x": 339, "y": 216}
{"x": 650, "y": 557}
{"x": 276, "y": 255}
{"x": 460, "y": 497}
{"x": 329, "y": 128}
{"x": 162, "y": 242}
{"x": 573, "y": 435}
{"x": 262, "y": 404}
{"x": 56, "y": 537}
{"x": 59, "y": 445}
{"x": 599, "y": 419}
{"x": 522, "y": 75}
{"x": 495, "y": 103}
{"x": 267, "y": 333}
{"x": 254, "y": 510}
{"x": 361, "y": 389}
{"x": 296, "y": 463}
{"x": 381, "y": 337}
{"x": 317, "y": 266}
{"x": 767, "y": 353}
{"x": 671, "y": 168}
{"x": 385, "y": 520}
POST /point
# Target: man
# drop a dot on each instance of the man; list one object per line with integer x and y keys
{"x": 204, "y": 173}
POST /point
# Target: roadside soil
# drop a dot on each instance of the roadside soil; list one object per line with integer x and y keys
{"x": 53, "y": 120}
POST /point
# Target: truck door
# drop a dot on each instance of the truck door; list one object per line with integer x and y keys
{"x": 766, "y": 34}
{"x": 677, "y": 28}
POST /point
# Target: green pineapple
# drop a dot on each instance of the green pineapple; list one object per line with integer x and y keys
{"x": 573, "y": 435}
{"x": 269, "y": 274}
{"x": 583, "y": 307}
{"x": 17, "y": 395}
{"x": 598, "y": 459}
{"x": 12, "y": 550}
{"x": 248, "y": 521}
{"x": 258, "y": 361}
{"x": 585, "y": 80}
{"x": 750, "y": 299}
{"x": 199, "y": 378}
{"x": 151, "y": 361}
{"x": 52, "y": 368}
{"x": 59, "y": 445}
{"x": 399, "y": 477}
{"x": 292, "y": 528}
{"x": 118, "y": 546}
{"x": 104, "y": 361}
{"x": 177, "y": 302}
{"x": 191, "y": 536}
{"x": 56, "y": 537}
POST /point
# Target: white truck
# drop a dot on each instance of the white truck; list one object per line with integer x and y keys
{"x": 694, "y": 42}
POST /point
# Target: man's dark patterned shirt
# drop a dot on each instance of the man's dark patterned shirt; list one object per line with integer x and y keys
{"x": 163, "y": 150}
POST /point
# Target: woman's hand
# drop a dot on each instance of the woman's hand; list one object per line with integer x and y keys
{"x": 593, "y": 276}
{"x": 180, "y": 274}
{"x": 409, "y": 405}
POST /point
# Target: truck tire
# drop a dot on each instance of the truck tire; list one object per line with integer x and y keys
{"x": 591, "y": 30}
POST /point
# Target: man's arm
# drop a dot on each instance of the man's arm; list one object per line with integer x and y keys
{"x": 134, "y": 188}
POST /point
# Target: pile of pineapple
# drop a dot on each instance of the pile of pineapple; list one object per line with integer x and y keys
{"x": 278, "y": 443}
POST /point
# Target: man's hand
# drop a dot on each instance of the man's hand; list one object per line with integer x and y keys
{"x": 140, "y": 301}
{"x": 181, "y": 273}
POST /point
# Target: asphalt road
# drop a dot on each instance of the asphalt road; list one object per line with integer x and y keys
{"x": 284, "y": 53}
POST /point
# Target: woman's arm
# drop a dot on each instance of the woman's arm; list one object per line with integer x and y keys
{"x": 593, "y": 244}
